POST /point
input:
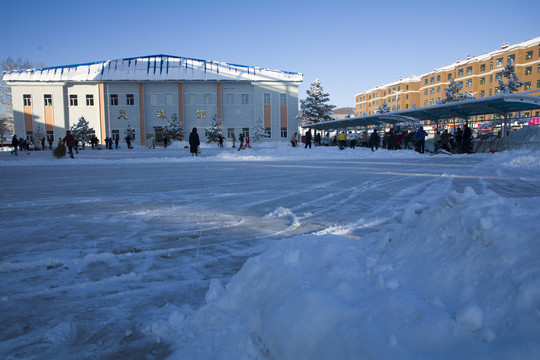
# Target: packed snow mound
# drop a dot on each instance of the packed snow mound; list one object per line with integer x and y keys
{"x": 456, "y": 277}
{"x": 526, "y": 137}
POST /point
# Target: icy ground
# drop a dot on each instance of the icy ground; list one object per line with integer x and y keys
{"x": 270, "y": 253}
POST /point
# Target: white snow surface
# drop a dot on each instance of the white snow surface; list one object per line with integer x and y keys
{"x": 270, "y": 253}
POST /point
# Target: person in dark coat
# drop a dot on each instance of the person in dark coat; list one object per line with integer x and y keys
{"x": 308, "y": 139}
{"x": 194, "y": 142}
{"x": 466, "y": 142}
{"x": 69, "y": 140}
{"x": 374, "y": 140}
{"x": 15, "y": 145}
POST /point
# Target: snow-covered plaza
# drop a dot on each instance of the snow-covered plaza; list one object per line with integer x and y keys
{"x": 270, "y": 253}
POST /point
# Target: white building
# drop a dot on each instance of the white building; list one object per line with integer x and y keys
{"x": 145, "y": 92}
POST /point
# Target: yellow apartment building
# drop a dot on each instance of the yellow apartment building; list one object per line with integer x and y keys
{"x": 478, "y": 75}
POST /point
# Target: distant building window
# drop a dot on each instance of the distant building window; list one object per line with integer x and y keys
{"x": 426, "y": 81}
{"x": 130, "y": 99}
{"x": 73, "y": 101}
{"x": 230, "y": 133}
{"x": 499, "y": 62}
{"x": 208, "y": 99}
{"x": 47, "y": 100}
{"x": 425, "y": 102}
{"x": 449, "y": 76}
{"x": 229, "y": 99}
{"x": 460, "y": 84}
{"x": 438, "y": 78}
{"x": 468, "y": 83}
{"x": 114, "y": 99}
{"x": 482, "y": 81}
{"x": 481, "y": 94}
{"x": 192, "y": 99}
{"x": 169, "y": 100}
{"x": 438, "y": 89}
{"x": 511, "y": 59}
{"x": 460, "y": 73}
{"x": 490, "y": 92}
{"x": 425, "y": 91}
{"x": 469, "y": 70}
{"x": 432, "y": 80}
{"x": 245, "y": 99}
{"x": 89, "y": 100}
{"x": 498, "y": 76}
{"x": 529, "y": 55}
{"x": 538, "y": 84}
{"x": 283, "y": 99}
{"x": 527, "y": 86}
{"x": 283, "y": 133}
{"x": 483, "y": 67}
{"x": 432, "y": 91}
{"x": 431, "y": 102}
{"x": 116, "y": 134}
{"x": 528, "y": 70}
{"x": 154, "y": 99}
{"x": 266, "y": 98}
{"x": 27, "y": 99}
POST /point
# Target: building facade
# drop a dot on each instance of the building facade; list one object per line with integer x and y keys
{"x": 478, "y": 76}
{"x": 142, "y": 94}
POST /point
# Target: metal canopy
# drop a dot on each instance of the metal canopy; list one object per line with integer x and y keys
{"x": 499, "y": 104}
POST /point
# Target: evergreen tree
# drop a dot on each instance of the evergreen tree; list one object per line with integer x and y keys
{"x": 315, "y": 108}
{"x": 214, "y": 130}
{"x": 453, "y": 95}
{"x": 384, "y": 108}
{"x": 259, "y": 132}
{"x": 175, "y": 129}
{"x": 129, "y": 132}
{"x": 513, "y": 84}
{"x": 38, "y": 135}
{"x": 81, "y": 130}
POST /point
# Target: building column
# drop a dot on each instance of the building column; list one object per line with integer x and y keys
{"x": 141, "y": 114}
{"x": 101, "y": 99}
{"x": 218, "y": 100}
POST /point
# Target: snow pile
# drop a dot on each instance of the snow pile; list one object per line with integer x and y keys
{"x": 456, "y": 277}
{"x": 526, "y": 137}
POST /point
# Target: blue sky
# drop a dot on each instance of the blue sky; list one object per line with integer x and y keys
{"x": 350, "y": 46}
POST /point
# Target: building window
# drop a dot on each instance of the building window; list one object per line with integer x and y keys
{"x": 538, "y": 84}
{"x": 192, "y": 99}
{"x": 47, "y": 100}
{"x": 266, "y": 98}
{"x": 425, "y": 102}
{"x": 511, "y": 59}
{"x": 469, "y": 70}
{"x": 468, "y": 83}
{"x": 539, "y": 68}
{"x": 432, "y": 80}
{"x": 245, "y": 99}
{"x": 490, "y": 79}
{"x": 426, "y": 81}
{"x": 73, "y": 100}
{"x": 438, "y": 89}
{"x": 460, "y": 84}
{"x": 407, "y": 86}
{"x": 481, "y": 94}
{"x": 498, "y": 76}
{"x": 116, "y": 134}
{"x": 169, "y": 100}
{"x": 431, "y": 102}
{"x": 528, "y": 70}
{"x": 283, "y": 133}
{"x": 89, "y": 100}
{"x": 529, "y": 55}
{"x": 406, "y": 96}
{"x": 208, "y": 99}
{"x": 27, "y": 100}
{"x": 491, "y": 65}
{"x": 527, "y": 86}
{"x": 229, "y": 99}
{"x": 449, "y": 76}
{"x": 230, "y": 133}
{"x": 114, "y": 99}
{"x": 490, "y": 92}
{"x": 460, "y": 73}
{"x": 432, "y": 91}
{"x": 154, "y": 99}
{"x": 283, "y": 99}
{"x": 425, "y": 92}
{"x": 438, "y": 78}
{"x": 483, "y": 67}
{"x": 130, "y": 99}
{"x": 482, "y": 81}
{"x": 499, "y": 62}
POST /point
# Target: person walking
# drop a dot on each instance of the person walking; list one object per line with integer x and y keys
{"x": 466, "y": 141}
{"x": 69, "y": 140}
{"x": 194, "y": 142}
{"x": 342, "y": 141}
{"x": 374, "y": 140}
{"x": 352, "y": 139}
{"x": 421, "y": 139}
{"x": 241, "y": 138}
{"x": 14, "y": 145}
{"x": 365, "y": 139}
{"x": 234, "y": 141}
{"x": 308, "y": 139}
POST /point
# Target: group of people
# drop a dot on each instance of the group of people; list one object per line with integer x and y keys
{"x": 459, "y": 142}
{"x": 390, "y": 140}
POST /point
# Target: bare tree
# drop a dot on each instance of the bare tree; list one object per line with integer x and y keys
{"x": 6, "y": 106}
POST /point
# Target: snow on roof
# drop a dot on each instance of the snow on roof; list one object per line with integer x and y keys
{"x": 153, "y": 68}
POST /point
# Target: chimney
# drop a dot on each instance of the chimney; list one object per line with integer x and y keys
{"x": 504, "y": 46}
